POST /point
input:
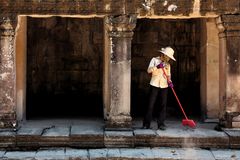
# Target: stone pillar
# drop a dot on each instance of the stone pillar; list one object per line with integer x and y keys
{"x": 209, "y": 54}
{"x": 117, "y": 71}
{"x": 7, "y": 72}
{"x": 229, "y": 70}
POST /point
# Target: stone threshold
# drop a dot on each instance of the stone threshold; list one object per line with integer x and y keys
{"x": 91, "y": 134}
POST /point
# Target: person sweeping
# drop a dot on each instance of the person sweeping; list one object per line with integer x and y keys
{"x": 159, "y": 86}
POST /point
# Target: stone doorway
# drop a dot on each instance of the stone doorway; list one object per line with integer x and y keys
{"x": 64, "y": 67}
{"x": 197, "y": 55}
{"x": 195, "y": 74}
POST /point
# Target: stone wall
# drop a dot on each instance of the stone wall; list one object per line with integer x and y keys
{"x": 142, "y": 7}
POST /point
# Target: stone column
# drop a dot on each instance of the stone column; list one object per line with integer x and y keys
{"x": 117, "y": 72}
{"x": 229, "y": 70}
{"x": 7, "y": 72}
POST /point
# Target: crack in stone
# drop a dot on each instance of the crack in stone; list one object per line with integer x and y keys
{"x": 46, "y": 129}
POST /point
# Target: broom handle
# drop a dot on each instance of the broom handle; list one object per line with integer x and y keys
{"x": 175, "y": 95}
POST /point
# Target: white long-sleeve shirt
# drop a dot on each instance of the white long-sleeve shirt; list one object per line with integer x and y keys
{"x": 158, "y": 78}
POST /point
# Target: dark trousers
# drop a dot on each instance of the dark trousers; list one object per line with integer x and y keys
{"x": 155, "y": 93}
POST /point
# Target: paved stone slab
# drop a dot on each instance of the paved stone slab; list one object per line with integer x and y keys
{"x": 145, "y": 132}
{"x": 138, "y": 153}
{"x": 20, "y": 155}
{"x": 29, "y": 131}
{"x": 166, "y": 153}
{"x": 119, "y": 139}
{"x": 98, "y": 154}
{"x": 76, "y": 154}
{"x": 113, "y": 153}
{"x": 2, "y": 153}
{"x": 195, "y": 154}
{"x": 86, "y": 130}
{"x": 226, "y": 154}
{"x": 51, "y": 154}
{"x": 182, "y": 153}
{"x": 56, "y": 132}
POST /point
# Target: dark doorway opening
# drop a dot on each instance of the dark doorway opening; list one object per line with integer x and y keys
{"x": 184, "y": 37}
{"x": 64, "y": 67}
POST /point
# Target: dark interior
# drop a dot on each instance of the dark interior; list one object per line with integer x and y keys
{"x": 64, "y": 67}
{"x": 184, "y": 37}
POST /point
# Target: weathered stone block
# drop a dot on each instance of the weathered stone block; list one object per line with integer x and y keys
{"x": 114, "y": 139}
{"x": 28, "y": 137}
{"x": 144, "y": 137}
{"x": 7, "y": 139}
{"x": 206, "y": 6}
{"x": 55, "y": 137}
{"x": 82, "y": 136}
{"x": 76, "y": 154}
{"x": 173, "y": 7}
{"x": 137, "y": 153}
{"x": 226, "y": 6}
{"x": 234, "y": 137}
{"x": 51, "y": 153}
{"x": 98, "y": 154}
{"x": 20, "y": 155}
{"x": 235, "y": 124}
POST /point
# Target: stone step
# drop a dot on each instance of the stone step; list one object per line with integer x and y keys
{"x": 93, "y": 135}
{"x": 122, "y": 154}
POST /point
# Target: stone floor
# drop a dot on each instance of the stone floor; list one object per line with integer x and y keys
{"x": 86, "y": 139}
{"x": 162, "y": 153}
{"x": 90, "y": 134}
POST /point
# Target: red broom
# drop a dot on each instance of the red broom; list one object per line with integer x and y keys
{"x": 186, "y": 121}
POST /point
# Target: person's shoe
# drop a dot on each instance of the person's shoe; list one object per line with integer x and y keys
{"x": 162, "y": 127}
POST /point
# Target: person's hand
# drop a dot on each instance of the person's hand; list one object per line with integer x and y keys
{"x": 170, "y": 84}
{"x": 161, "y": 65}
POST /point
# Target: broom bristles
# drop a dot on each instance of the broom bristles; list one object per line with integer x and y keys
{"x": 189, "y": 122}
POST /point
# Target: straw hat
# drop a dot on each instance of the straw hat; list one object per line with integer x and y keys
{"x": 168, "y": 51}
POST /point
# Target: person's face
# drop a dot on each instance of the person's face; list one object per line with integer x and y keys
{"x": 165, "y": 58}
